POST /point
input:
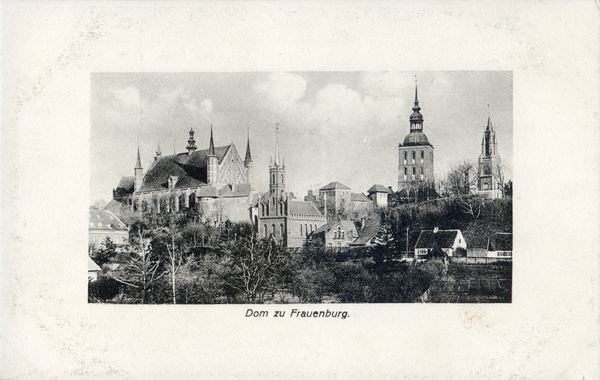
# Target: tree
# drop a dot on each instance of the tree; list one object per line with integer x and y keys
{"x": 105, "y": 253}
{"x": 508, "y": 188}
{"x": 142, "y": 267}
{"x": 462, "y": 179}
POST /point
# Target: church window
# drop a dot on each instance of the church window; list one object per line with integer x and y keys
{"x": 281, "y": 228}
{"x": 305, "y": 230}
{"x": 311, "y": 228}
{"x": 273, "y": 229}
{"x": 413, "y": 157}
{"x": 281, "y": 208}
{"x": 301, "y": 230}
{"x": 422, "y": 156}
{"x": 265, "y": 231}
{"x": 282, "y": 178}
{"x": 405, "y": 154}
{"x": 267, "y": 209}
{"x": 273, "y": 201}
{"x": 414, "y": 173}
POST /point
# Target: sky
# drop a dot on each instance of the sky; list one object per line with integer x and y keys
{"x": 333, "y": 126}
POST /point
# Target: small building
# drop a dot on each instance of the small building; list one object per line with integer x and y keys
{"x": 103, "y": 224}
{"x": 337, "y": 235}
{"x": 446, "y": 240}
{"x": 498, "y": 245}
{"x": 366, "y": 234}
{"x": 93, "y": 270}
{"x": 379, "y": 194}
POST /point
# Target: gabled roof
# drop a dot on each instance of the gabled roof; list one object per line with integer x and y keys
{"x": 379, "y": 189}
{"x": 439, "y": 239}
{"x": 190, "y": 169}
{"x": 92, "y": 266}
{"x": 359, "y": 197}
{"x": 105, "y": 220}
{"x": 113, "y": 206}
{"x": 335, "y": 185}
{"x": 347, "y": 225}
{"x": 303, "y": 208}
{"x": 366, "y": 234}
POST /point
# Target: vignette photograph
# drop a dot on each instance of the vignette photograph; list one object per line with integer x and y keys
{"x": 301, "y": 188}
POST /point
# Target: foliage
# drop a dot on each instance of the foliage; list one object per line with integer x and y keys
{"x": 103, "y": 289}
{"x": 106, "y": 252}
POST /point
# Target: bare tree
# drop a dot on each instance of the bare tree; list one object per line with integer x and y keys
{"x": 462, "y": 179}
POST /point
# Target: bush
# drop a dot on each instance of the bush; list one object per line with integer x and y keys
{"x": 103, "y": 289}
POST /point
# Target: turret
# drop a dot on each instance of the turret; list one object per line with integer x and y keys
{"x": 276, "y": 171}
{"x": 191, "y": 147}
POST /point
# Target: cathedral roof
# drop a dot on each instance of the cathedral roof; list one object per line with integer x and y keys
{"x": 105, "y": 220}
{"x": 189, "y": 168}
{"x": 416, "y": 138}
{"x": 237, "y": 190}
{"x": 334, "y": 185}
{"x": 126, "y": 184}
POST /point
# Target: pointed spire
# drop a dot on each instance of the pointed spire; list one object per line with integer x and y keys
{"x": 489, "y": 126}
{"x": 248, "y": 155}
{"x": 211, "y": 147}
{"x": 277, "y": 144}
{"x": 158, "y": 151}
{"x": 138, "y": 163}
{"x": 416, "y": 119}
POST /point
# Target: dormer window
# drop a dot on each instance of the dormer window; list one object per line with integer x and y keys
{"x": 172, "y": 181}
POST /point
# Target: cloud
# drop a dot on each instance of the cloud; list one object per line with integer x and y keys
{"x": 206, "y": 106}
{"x": 128, "y": 96}
{"x": 282, "y": 92}
{"x": 385, "y": 84}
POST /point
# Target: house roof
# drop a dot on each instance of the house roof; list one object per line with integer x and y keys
{"x": 501, "y": 242}
{"x": 439, "y": 239}
{"x": 92, "y": 266}
{"x": 190, "y": 169}
{"x": 303, "y": 208}
{"x": 335, "y": 185}
{"x": 379, "y": 189}
{"x": 359, "y": 197}
{"x": 105, "y": 220}
{"x": 366, "y": 234}
{"x": 347, "y": 225}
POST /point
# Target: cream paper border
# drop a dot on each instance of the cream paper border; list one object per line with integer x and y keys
{"x": 49, "y": 49}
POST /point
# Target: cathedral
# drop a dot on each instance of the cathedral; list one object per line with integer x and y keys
{"x": 489, "y": 165}
{"x": 415, "y": 160}
{"x": 287, "y": 220}
{"x": 214, "y": 181}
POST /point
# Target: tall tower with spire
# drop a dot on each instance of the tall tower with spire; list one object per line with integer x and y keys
{"x": 212, "y": 167}
{"x": 415, "y": 155}
{"x": 139, "y": 173}
{"x": 490, "y": 179}
{"x": 248, "y": 160}
{"x": 276, "y": 170}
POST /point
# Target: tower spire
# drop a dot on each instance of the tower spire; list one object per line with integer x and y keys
{"x": 277, "y": 144}
{"x": 158, "y": 151}
{"x": 138, "y": 163}
{"x": 248, "y": 155}
{"x": 211, "y": 147}
{"x": 416, "y": 119}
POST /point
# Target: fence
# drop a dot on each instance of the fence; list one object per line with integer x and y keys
{"x": 479, "y": 260}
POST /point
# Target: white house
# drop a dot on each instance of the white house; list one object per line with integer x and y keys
{"x": 446, "y": 240}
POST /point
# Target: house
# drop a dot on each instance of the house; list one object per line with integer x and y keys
{"x": 498, "y": 245}
{"x": 366, "y": 234}
{"x": 103, "y": 224}
{"x": 339, "y": 234}
{"x": 93, "y": 270}
{"x": 446, "y": 240}
{"x": 379, "y": 195}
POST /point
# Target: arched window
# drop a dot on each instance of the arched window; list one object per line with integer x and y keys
{"x": 305, "y": 230}
{"x": 281, "y": 208}
{"x": 263, "y": 209}
{"x": 311, "y": 228}
{"x": 281, "y": 228}
{"x": 405, "y": 156}
{"x": 414, "y": 172}
{"x": 273, "y": 229}
{"x": 267, "y": 209}
{"x": 273, "y": 181}
{"x": 413, "y": 157}
{"x": 301, "y": 230}
{"x": 273, "y": 201}
{"x": 282, "y": 178}
{"x": 265, "y": 231}
{"x": 422, "y": 156}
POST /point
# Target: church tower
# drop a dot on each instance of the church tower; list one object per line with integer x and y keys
{"x": 191, "y": 146}
{"x": 490, "y": 181}
{"x": 212, "y": 164}
{"x": 248, "y": 160}
{"x": 276, "y": 171}
{"x": 415, "y": 155}
{"x": 139, "y": 173}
